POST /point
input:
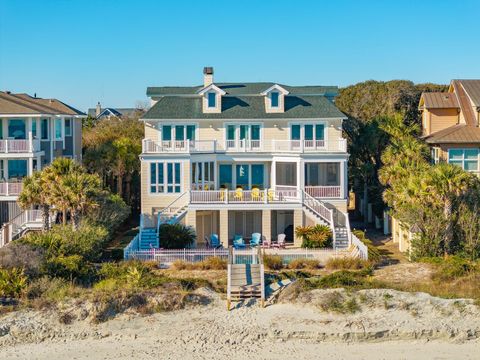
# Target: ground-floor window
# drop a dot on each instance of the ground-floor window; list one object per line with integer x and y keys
{"x": 435, "y": 155}
{"x": 282, "y": 223}
{"x": 244, "y": 223}
{"x": 165, "y": 177}
{"x": 467, "y": 159}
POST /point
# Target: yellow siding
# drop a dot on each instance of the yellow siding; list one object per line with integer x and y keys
{"x": 442, "y": 118}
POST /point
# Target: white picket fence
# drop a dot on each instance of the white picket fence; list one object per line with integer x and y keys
{"x": 246, "y": 256}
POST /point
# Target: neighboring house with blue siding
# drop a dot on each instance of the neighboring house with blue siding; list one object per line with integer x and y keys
{"x": 33, "y": 132}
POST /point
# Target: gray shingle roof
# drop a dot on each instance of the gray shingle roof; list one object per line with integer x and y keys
{"x": 243, "y": 107}
{"x": 26, "y": 104}
{"x": 244, "y": 89}
{"x": 472, "y": 87}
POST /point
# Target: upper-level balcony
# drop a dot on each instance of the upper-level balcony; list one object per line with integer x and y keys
{"x": 214, "y": 146}
{"x": 18, "y": 146}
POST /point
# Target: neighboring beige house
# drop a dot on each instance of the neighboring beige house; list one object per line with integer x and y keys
{"x": 33, "y": 131}
{"x": 239, "y": 158}
{"x": 450, "y": 126}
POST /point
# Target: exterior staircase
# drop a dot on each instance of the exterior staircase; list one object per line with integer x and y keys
{"x": 317, "y": 210}
{"x": 148, "y": 239}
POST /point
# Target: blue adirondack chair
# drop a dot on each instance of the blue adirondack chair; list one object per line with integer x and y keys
{"x": 256, "y": 239}
{"x": 215, "y": 241}
{"x": 238, "y": 242}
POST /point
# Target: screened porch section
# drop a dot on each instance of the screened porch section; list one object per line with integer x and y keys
{"x": 322, "y": 180}
{"x": 244, "y": 224}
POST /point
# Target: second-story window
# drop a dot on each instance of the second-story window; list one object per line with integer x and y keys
{"x": 312, "y": 134}
{"x": 34, "y": 128}
{"x": 274, "y": 96}
{"x": 212, "y": 100}
{"x": 165, "y": 177}
{"x": 248, "y": 135}
{"x": 17, "y": 129}
{"x": 58, "y": 129}
{"x": 178, "y": 132}
{"x": 68, "y": 127}
{"x": 44, "y": 129}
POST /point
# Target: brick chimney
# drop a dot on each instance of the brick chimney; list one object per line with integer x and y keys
{"x": 207, "y": 76}
{"x": 98, "y": 109}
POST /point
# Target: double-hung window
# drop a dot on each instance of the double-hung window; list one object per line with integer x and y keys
{"x": 467, "y": 159}
{"x": 435, "y": 155}
{"x": 165, "y": 177}
{"x": 178, "y": 132}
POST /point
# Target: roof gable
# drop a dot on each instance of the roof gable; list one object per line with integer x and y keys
{"x": 210, "y": 88}
{"x": 275, "y": 87}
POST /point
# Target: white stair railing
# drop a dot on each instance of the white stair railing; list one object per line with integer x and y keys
{"x": 170, "y": 210}
{"x": 321, "y": 210}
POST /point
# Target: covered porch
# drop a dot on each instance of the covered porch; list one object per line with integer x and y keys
{"x": 228, "y": 224}
{"x": 264, "y": 181}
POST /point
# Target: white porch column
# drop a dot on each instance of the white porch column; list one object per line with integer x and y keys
{"x": 30, "y": 166}
{"x": 273, "y": 174}
{"x": 343, "y": 180}
{"x": 299, "y": 172}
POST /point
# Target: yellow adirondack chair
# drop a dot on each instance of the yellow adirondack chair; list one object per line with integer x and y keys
{"x": 256, "y": 194}
{"x": 271, "y": 195}
{"x": 238, "y": 194}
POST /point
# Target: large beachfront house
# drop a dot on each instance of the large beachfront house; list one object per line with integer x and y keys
{"x": 450, "y": 126}
{"x": 240, "y": 158}
{"x": 33, "y": 131}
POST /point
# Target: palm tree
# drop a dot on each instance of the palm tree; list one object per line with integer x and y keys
{"x": 80, "y": 192}
{"x": 447, "y": 182}
{"x": 53, "y": 175}
{"x": 34, "y": 194}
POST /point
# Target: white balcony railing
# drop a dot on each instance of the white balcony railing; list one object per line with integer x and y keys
{"x": 19, "y": 146}
{"x": 245, "y": 196}
{"x": 179, "y": 146}
{"x": 213, "y": 146}
{"x": 323, "y": 191}
{"x": 10, "y": 188}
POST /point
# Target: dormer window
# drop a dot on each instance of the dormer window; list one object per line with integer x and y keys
{"x": 274, "y": 99}
{"x": 212, "y": 97}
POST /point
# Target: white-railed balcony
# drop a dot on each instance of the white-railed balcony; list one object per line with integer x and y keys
{"x": 10, "y": 188}
{"x": 179, "y": 146}
{"x": 214, "y": 146}
{"x": 16, "y": 146}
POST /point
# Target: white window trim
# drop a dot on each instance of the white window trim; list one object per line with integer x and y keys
{"x": 39, "y": 130}
{"x": 165, "y": 178}
{"x": 62, "y": 129}
{"x": 71, "y": 126}
{"x": 463, "y": 158}
{"x": 160, "y": 126}
{"x": 302, "y": 129}
{"x": 435, "y": 154}
{"x": 237, "y": 130}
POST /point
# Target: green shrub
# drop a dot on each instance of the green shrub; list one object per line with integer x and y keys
{"x": 299, "y": 264}
{"x": 110, "y": 213}
{"x": 318, "y": 236}
{"x": 273, "y": 262}
{"x": 336, "y": 302}
{"x": 455, "y": 267}
{"x": 340, "y": 279}
{"x": 12, "y": 282}
{"x": 69, "y": 253}
{"x": 46, "y": 287}
{"x": 176, "y": 236}
{"x": 347, "y": 263}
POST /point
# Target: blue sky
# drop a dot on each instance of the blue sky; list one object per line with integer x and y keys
{"x": 85, "y": 51}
